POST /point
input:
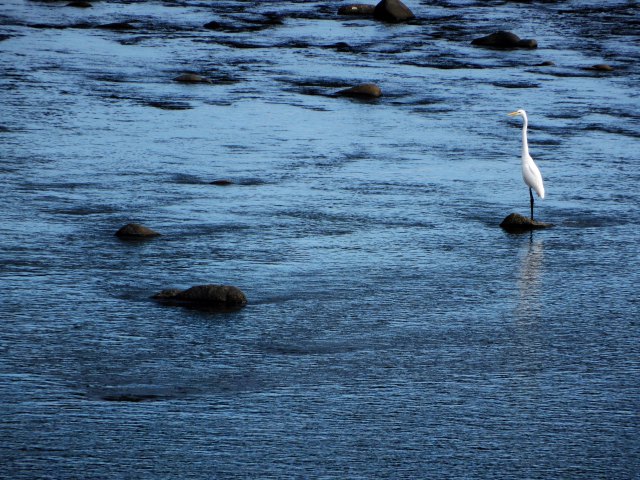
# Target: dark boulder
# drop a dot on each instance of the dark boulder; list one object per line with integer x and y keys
{"x": 217, "y": 298}
{"x": 136, "y": 231}
{"x": 360, "y": 9}
{"x": 516, "y": 223}
{"x": 365, "y": 90}
{"x": 393, "y": 11}
{"x": 504, "y": 40}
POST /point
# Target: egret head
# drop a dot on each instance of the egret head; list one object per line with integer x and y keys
{"x": 518, "y": 113}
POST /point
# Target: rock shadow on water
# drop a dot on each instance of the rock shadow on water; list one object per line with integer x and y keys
{"x": 242, "y": 182}
{"x": 251, "y": 24}
{"x": 167, "y": 104}
{"x": 516, "y": 85}
{"x": 131, "y": 397}
{"x": 222, "y": 181}
{"x": 162, "y": 103}
{"x": 137, "y": 393}
{"x": 323, "y": 87}
{"x": 309, "y": 348}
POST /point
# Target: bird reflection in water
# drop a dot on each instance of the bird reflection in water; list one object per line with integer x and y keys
{"x": 531, "y": 265}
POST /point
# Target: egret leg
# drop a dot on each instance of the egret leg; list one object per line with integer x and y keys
{"x": 531, "y": 198}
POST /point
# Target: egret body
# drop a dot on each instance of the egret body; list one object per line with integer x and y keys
{"x": 530, "y": 172}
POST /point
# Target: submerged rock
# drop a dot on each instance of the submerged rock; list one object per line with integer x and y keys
{"x": 393, "y": 11}
{"x": 365, "y": 90}
{"x": 357, "y": 9}
{"x": 118, "y": 26}
{"x": 135, "y": 230}
{"x": 341, "y": 47}
{"x": 223, "y": 182}
{"x": 601, "y": 67}
{"x": 516, "y": 223}
{"x": 191, "y": 78}
{"x": 219, "y": 298}
{"x": 504, "y": 40}
{"x": 130, "y": 397}
{"x": 246, "y": 25}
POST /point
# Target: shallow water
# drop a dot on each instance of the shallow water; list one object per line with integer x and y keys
{"x": 393, "y": 329}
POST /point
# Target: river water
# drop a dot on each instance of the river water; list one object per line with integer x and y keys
{"x": 393, "y": 329}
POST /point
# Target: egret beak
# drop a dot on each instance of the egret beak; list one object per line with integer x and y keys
{"x": 513, "y": 114}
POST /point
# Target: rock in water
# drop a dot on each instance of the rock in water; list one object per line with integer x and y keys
{"x": 516, "y": 223}
{"x": 365, "y": 90}
{"x": 601, "y": 67}
{"x": 135, "y": 231}
{"x": 119, "y": 26}
{"x": 504, "y": 40}
{"x": 191, "y": 78}
{"x": 393, "y": 11}
{"x": 215, "y": 298}
{"x": 222, "y": 182}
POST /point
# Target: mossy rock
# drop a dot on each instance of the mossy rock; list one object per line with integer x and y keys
{"x": 516, "y": 223}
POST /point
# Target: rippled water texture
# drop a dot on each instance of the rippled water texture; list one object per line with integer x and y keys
{"x": 393, "y": 329}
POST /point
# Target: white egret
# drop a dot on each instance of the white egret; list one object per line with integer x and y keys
{"x": 530, "y": 172}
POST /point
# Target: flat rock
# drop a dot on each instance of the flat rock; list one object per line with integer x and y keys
{"x": 516, "y": 223}
{"x": 360, "y": 9}
{"x": 505, "y": 40}
{"x": 135, "y": 230}
{"x": 217, "y": 298}
{"x": 365, "y": 90}
{"x": 393, "y": 11}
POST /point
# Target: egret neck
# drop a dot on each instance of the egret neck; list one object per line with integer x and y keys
{"x": 525, "y": 144}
